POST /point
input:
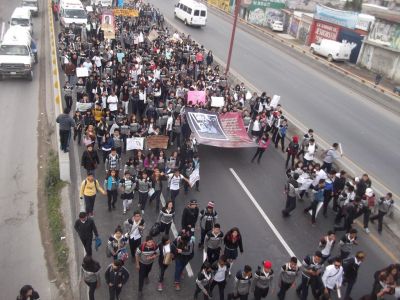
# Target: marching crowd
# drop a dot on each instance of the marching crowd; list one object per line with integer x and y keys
{"x": 137, "y": 87}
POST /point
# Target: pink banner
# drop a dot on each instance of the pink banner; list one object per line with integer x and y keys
{"x": 196, "y": 97}
{"x": 233, "y": 126}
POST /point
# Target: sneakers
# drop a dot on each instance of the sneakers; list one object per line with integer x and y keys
{"x": 177, "y": 286}
{"x": 160, "y": 287}
{"x": 124, "y": 211}
{"x": 366, "y": 230}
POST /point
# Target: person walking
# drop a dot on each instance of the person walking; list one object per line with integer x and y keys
{"x": 262, "y": 280}
{"x": 66, "y": 122}
{"x": 332, "y": 278}
{"x": 116, "y": 277}
{"x": 127, "y": 186}
{"x": 242, "y": 284}
{"x": 183, "y": 252}
{"x": 143, "y": 185}
{"x": 213, "y": 244}
{"x": 263, "y": 144}
{"x": 326, "y": 245}
{"x": 134, "y": 228}
{"x": 384, "y": 206}
{"x": 166, "y": 250}
{"x": 330, "y": 156}
{"x": 318, "y": 198}
{"x": 113, "y": 161}
{"x": 203, "y": 281}
{"x": 289, "y": 273}
{"x": 90, "y": 274}
{"x": 116, "y": 245}
{"x": 90, "y": 159}
{"x": 305, "y": 141}
{"x": 190, "y": 215}
{"x": 146, "y": 254}
{"x": 292, "y": 150}
{"x": 28, "y": 293}
{"x": 351, "y": 266}
{"x": 174, "y": 183}
{"x": 369, "y": 202}
{"x": 347, "y": 242}
{"x": 291, "y": 190}
{"x": 232, "y": 242}
{"x": 220, "y": 273}
{"x": 85, "y": 227}
{"x": 88, "y": 191}
{"x": 208, "y": 218}
{"x": 166, "y": 217}
{"x": 310, "y": 276}
{"x": 111, "y": 184}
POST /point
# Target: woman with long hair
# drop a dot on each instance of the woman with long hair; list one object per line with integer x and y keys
{"x": 90, "y": 274}
{"x": 233, "y": 241}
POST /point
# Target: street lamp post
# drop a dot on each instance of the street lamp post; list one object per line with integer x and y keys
{"x": 235, "y": 17}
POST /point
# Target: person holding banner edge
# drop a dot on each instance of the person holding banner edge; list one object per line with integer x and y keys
{"x": 263, "y": 144}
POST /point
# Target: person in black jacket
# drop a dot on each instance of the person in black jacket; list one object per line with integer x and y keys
{"x": 85, "y": 227}
{"x": 28, "y": 293}
{"x": 338, "y": 186}
{"x": 350, "y": 269}
{"x": 189, "y": 216}
{"x": 90, "y": 159}
{"x": 166, "y": 249}
{"x": 116, "y": 276}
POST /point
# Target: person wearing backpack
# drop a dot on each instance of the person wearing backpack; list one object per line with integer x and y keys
{"x": 127, "y": 186}
{"x": 183, "y": 247}
{"x": 292, "y": 150}
{"x": 88, "y": 191}
{"x": 146, "y": 254}
{"x": 116, "y": 276}
{"x": 90, "y": 274}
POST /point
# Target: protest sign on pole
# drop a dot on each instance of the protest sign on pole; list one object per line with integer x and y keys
{"x": 275, "y": 100}
{"x": 196, "y": 97}
{"x": 135, "y": 143}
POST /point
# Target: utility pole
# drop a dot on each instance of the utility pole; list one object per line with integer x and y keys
{"x": 235, "y": 17}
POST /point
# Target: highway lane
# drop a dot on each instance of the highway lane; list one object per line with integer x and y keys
{"x": 325, "y": 103}
{"x": 22, "y": 260}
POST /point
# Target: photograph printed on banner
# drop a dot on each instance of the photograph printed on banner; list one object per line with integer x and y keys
{"x": 207, "y": 126}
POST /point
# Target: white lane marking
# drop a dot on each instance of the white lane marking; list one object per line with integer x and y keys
{"x": 263, "y": 214}
{"x": 3, "y": 28}
{"x": 189, "y": 269}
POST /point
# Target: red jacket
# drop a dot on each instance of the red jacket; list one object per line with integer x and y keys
{"x": 263, "y": 144}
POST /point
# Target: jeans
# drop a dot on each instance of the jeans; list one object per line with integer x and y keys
{"x": 213, "y": 255}
{"x": 327, "y": 199}
{"x": 180, "y": 265}
{"x": 156, "y": 197}
{"x": 114, "y": 292}
{"x": 260, "y": 293}
{"x": 87, "y": 244}
{"x": 64, "y": 139}
{"x": 163, "y": 268}
{"x": 284, "y": 288}
{"x": 313, "y": 206}
{"x": 144, "y": 270}
{"x": 292, "y": 157}
{"x": 134, "y": 244}
{"x": 174, "y": 195}
{"x": 112, "y": 197}
{"x": 143, "y": 200}
{"x": 367, "y": 213}
{"x": 165, "y": 228}
{"x": 327, "y": 166}
{"x": 379, "y": 216}
{"x": 302, "y": 289}
{"x": 221, "y": 288}
{"x": 92, "y": 288}
{"x": 349, "y": 288}
{"x": 259, "y": 153}
{"x": 290, "y": 206}
{"x": 89, "y": 203}
{"x": 198, "y": 291}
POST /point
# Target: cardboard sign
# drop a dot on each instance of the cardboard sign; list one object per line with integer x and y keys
{"x": 125, "y": 12}
{"x": 134, "y": 143}
{"x": 153, "y": 35}
{"x": 82, "y": 72}
{"x": 157, "y": 141}
{"x": 194, "y": 177}
{"x": 217, "y": 101}
{"x": 275, "y": 100}
{"x": 109, "y": 31}
{"x": 196, "y": 97}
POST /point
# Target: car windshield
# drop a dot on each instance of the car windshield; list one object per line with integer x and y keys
{"x": 75, "y": 13}
{"x": 29, "y": 3}
{"x": 13, "y": 50}
{"x": 22, "y": 22}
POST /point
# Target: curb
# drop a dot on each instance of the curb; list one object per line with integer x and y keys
{"x": 320, "y": 59}
{"x": 64, "y": 162}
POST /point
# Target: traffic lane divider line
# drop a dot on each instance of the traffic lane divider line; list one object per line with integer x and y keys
{"x": 364, "y": 81}
{"x": 189, "y": 269}
{"x": 263, "y": 214}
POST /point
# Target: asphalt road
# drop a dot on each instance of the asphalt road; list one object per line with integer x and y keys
{"x": 368, "y": 132}
{"x": 23, "y": 259}
{"x": 265, "y": 182}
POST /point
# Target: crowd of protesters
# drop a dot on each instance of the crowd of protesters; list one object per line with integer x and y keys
{"x": 137, "y": 87}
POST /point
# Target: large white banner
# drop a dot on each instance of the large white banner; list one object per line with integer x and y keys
{"x": 135, "y": 143}
{"x": 194, "y": 177}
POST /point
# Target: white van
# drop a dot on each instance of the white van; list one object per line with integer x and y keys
{"x": 32, "y": 5}
{"x": 333, "y": 50}
{"x": 72, "y": 11}
{"x": 191, "y": 12}
{"x": 16, "y": 54}
{"x": 22, "y": 17}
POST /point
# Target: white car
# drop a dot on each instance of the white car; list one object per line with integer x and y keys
{"x": 277, "y": 26}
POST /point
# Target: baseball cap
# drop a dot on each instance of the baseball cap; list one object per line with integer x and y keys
{"x": 267, "y": 264}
